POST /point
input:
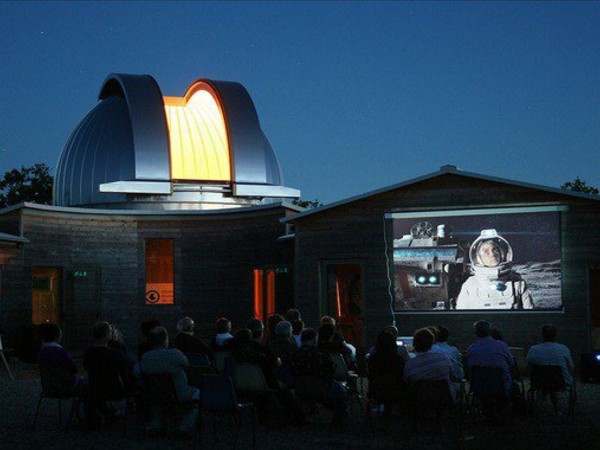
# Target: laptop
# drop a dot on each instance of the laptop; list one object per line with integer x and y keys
{"x": 406, "y": 341}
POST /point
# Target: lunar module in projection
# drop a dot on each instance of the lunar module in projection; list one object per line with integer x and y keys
{"x": 429, "y": 268}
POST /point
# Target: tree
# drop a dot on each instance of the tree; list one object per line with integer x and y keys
{"x": 306, "y": 203}
{"x": 578, "y": 185}
{"x": 30, "y": 184}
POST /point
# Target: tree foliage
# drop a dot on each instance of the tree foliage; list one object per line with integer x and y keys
{"x": 30, "y": 184}
{"x": 579, "y": 185}
{"x": 307, "y": 203}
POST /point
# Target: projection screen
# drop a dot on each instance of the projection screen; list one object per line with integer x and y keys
{"x": 485, "y": 259}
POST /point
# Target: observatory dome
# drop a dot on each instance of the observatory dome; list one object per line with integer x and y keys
{"x": 139, "y": 149}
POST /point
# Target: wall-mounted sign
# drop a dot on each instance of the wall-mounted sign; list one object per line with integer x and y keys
{"x": 80, "y": 274}
{"x": 159, "y": 293}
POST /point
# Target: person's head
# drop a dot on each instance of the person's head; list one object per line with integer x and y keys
{"x": 489, "y": 254}
{"x": 49, "y": 332}
{"x": 297, "y": 327}
{"x": 148, "y": 324}
{"x": 391, "y": 329}
{"x": 185, "y": 325}
{"x": 309, "y": 336}
{"x": 549, "y": 333}
{"x": 385, "y": 344}
{"x": 423, "y": 339}
{"x": 223, "y": 325}
{"x": 283, "y": 328}
{"x": 158, "y": 337}
{"x": 326, "y": 332}
{"x": 434, "y": 330}
{"x": 482, "y": 328}
{"x": 496, "y": 334}
{"x": 257, "y": 328}
{"x": 242, "y": 337}
{"x": 272, "y": 322}
{"x": 102, "y": 332}
{"x": 327, "y": 319}
{"x": 292, "y": 314}
{"x": 442, "y": 335}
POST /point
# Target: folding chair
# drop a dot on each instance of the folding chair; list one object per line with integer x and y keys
{"x": 57, "y": 384}
{"x": 217, "y": 395}
{"x": 348, "y": 377}
{"x": 199, "y": 365}
{"x": 430, "y": 400}
{"x": 549, "y": 380}
{"x": 383, "y": 388}
{"x": 487, "y": 386}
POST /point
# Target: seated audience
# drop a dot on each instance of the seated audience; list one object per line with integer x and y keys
{"x": 441, "y": 345}
{"x": 109, "y": 373}
{"x": 186, "y": 342}
{"x": 146, "y": 326}
{"x": 164, "y": 360}
{"x": 272, "y": 322}
{"x": 332, "y": 342}
{"x": 297, "y": 327}
{"x": 327, "y": 319}
{"x": 400, "y": 349}
{"x": 428, "y": 365}
{"x": 284, "y": 347}
{"x": 292, "y": 314}
{"x": 54, "y": 356}
{"x": 385, "y": 370}
{"x": 488, "y": 352}
{"x": 247, "y": 347}
{"x": 551, "y": 353}
{"x": 221, "y": 339}
{"x": 310, "y": 361}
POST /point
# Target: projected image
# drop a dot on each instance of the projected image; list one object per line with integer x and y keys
{"x": 477, "y": 261}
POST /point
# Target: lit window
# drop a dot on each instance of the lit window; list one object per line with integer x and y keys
{"x": 159, "y": 271}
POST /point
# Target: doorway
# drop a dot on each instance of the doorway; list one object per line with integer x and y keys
{"x": 273, "y": 291}
{"x": 45, "y": 295}
{"x": 344, "y": 299}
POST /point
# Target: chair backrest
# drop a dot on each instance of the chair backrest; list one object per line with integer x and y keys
{"x": 487, "y": 381}
{"x": 106, "y": 389}
{"x": 220, "y": 361}
{"x": 249, "y": 379}
{"x": 217, "y": 393}
{"x": 56, "y": 382}
{"x": 520, "y": 359}
{"x": 385, "y": 386}
{"x": 159, "y": 389}
{"x": 547, "y": 378}
{"x": 432, "y": 394}
{"x": 311, "y": 388}
{"x": 198, "y": 359}
{"x": 341, "y": 371}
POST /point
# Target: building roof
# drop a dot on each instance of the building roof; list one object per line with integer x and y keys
{"x": 5, "y": 237}
{"x": 448, "y": 169}
{"x": 137, "y": 144}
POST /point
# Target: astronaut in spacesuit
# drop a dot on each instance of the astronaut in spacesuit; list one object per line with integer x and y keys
{"x": 493, "y": 284}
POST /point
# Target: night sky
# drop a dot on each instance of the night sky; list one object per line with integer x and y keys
{"x": 353, "y": 96}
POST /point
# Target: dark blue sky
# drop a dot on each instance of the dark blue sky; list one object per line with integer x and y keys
{"x": 353, "y": 96}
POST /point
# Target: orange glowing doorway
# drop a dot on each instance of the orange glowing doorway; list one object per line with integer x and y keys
{"x": 344, "y": 299}
{"x": 272, "y": 291}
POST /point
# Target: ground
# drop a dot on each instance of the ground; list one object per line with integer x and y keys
{"x": 544, "y": 430}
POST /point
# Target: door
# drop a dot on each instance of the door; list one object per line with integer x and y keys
{"x": 272, "y": 291}
{"x": 344, "y": 299}
{"x": 45, "y": 295}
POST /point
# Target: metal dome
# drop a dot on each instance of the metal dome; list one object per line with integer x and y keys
{"x": 138, "y": 149}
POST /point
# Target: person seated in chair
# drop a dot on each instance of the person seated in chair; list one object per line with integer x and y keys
{"x": 164, "y": 360}
{"x": 109, "y": 373}
{"x": 441, "y": 345}
{"x": 400, "y": 349}
{"x": 146, "y": 326}
{"x": 427, "y": 364}
{"x": 385, "y": 370}
{"x": 551, "y": 353}
{"x": 489, "y": 352}
{"x": 284, "y": 347}
{"x": 186, "y": 342}
{"x": 332, "y": 342}
{"x": 310, "y": 361}
{"x": 222, "y": 339}
{"x": 54, "y": 356}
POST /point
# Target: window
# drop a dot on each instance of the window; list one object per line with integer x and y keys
{"x": 159, "y": 271}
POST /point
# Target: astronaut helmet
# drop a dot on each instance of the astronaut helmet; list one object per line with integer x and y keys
{"x": 490, "y": 250}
